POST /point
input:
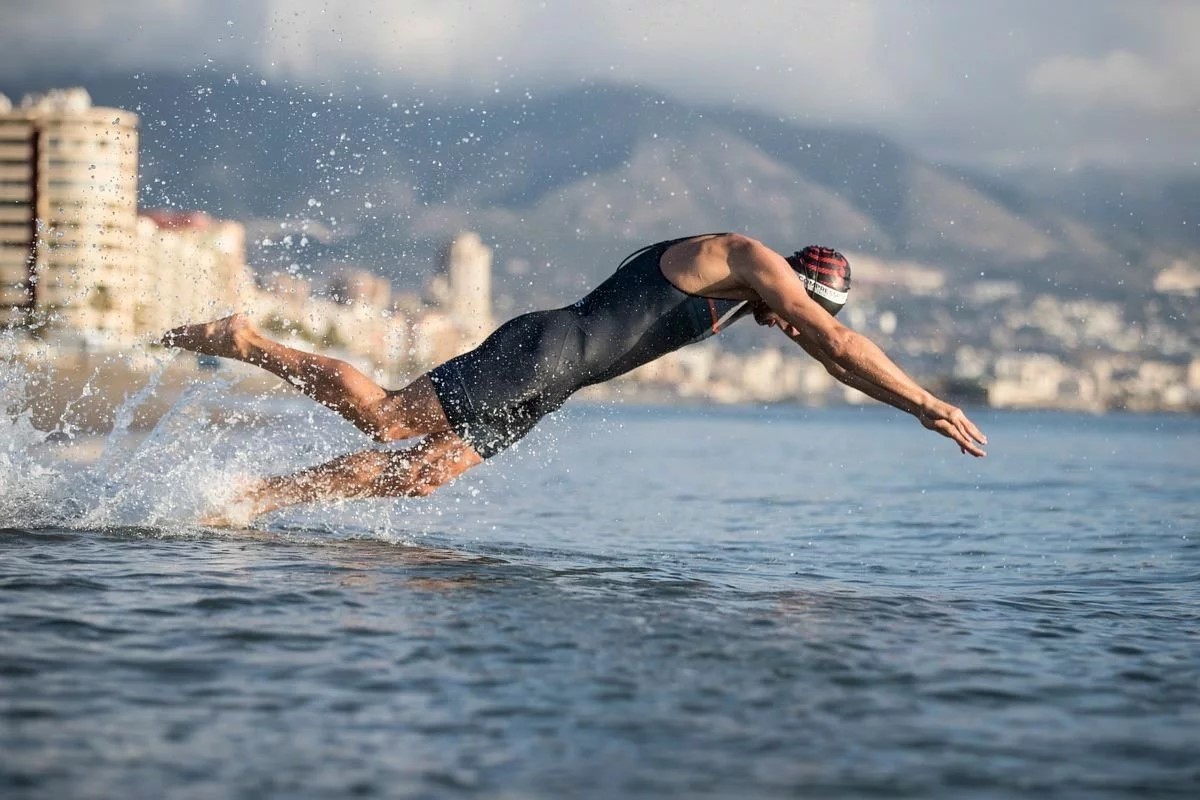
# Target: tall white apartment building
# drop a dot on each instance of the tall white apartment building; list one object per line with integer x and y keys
{"x": 68, "y": 208}
{"x": 463, "y": 287}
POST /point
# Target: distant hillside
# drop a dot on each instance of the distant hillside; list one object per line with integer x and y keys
{"x": 564, "y": 185}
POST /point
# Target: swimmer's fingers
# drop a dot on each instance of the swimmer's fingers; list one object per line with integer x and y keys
{"x": 960, "y": 437}
{"x": 970, "y": 446}
{"x": 968, "y": 431}
{"x": 970, "y": 428}
{"x": 952, "y": 423}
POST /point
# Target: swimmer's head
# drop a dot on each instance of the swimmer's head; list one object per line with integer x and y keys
{"x": 826, "y": 275}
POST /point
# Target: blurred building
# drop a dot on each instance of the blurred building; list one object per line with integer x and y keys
{"x": 1039, "y": 380}
{"x": 354, "y": 286}
{"x": 463, "y": 287}
{"x": 190, "y": 267}
{"x": 68, "y": 207}
{"x": 461, "y": 292}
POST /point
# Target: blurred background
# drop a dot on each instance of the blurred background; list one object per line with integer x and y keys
{"x": 1016, "y": 184}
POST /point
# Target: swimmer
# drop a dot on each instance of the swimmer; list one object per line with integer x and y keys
{"x": 661, "y": 298}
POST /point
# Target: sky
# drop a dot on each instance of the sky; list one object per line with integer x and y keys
{"x": 990, "y": 83}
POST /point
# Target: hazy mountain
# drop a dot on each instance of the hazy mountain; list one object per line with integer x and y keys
{"x": 564, "y": 185}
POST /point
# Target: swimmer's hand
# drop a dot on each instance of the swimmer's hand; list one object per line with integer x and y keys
{"x": 951, "y": 422}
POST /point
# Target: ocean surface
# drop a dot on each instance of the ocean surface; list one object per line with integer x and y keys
{"x": 637, "y": 602}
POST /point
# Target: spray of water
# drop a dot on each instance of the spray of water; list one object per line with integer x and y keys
{"x": 189, "y": 466}
{"x": 151, "y": 479}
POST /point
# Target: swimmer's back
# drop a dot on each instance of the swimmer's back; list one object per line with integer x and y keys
{"x": 638, "y": 315}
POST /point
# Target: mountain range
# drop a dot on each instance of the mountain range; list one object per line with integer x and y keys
{"x": 562, "y": 185}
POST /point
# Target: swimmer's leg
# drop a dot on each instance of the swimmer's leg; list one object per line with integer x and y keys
{"x": 415, "y": 472}
{"x": 386, "y": 416}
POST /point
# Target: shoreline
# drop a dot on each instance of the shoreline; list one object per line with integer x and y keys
{"x": 82, "y": 393}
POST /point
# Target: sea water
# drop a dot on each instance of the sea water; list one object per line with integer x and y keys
{"x": 636, "y": 602}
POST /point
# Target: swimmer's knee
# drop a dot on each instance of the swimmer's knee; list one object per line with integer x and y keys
{"x": 371, "y": 419}
{"x": 404, "y": 413}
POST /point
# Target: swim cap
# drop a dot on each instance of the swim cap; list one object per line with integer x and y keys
{"x": 826, "y": 276}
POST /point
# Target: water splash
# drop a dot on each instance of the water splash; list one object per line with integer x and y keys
{"x": 167, "y": 476}
{"x": 184, "y": 468}
{"x": 25, "y": 480}
{"x": 170, "y": 475}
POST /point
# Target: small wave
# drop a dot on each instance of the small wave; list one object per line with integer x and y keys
{"x": 66, "y": 583}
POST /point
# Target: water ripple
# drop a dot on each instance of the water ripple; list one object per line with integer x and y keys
{"x": 717, "y": 634}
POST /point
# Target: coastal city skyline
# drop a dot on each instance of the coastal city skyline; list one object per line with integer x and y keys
{"x": 75, "y": 250}
{"x": 80, "y": 262}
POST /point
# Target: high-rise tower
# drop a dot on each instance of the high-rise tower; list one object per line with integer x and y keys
{"x": 68, "y": 206}
{"x": 464, "y": 286}
{"x": 469, "y": 269}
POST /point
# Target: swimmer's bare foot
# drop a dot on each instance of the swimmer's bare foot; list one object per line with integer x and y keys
{"x": 229, "y": 337}
{"x": 239, "y": 507}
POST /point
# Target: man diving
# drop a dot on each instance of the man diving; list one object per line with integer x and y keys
{"x": 661, "y": 298}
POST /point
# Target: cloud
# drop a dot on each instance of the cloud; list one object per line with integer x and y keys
{"x": 444, "y": 44}
{"x": 1134, "y": 99}
{"x": 1120, "y": 80}
{"x": 1006, "y": 82}
{"x": 755, "y": 52}
{"x": 51, "y": 35}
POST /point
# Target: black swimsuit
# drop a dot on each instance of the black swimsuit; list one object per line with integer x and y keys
{"x": 495, "y": 394}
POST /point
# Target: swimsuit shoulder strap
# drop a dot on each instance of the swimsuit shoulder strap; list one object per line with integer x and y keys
{"x": 666, "y": 243}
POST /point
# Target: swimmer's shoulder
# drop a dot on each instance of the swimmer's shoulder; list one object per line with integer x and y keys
{"x": 701, "y": 264}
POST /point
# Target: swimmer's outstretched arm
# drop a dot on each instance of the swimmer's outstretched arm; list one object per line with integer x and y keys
{"x": 849, "y": 356}
{"x": 852, "y": 379}
{"x": 944, "y": 418}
